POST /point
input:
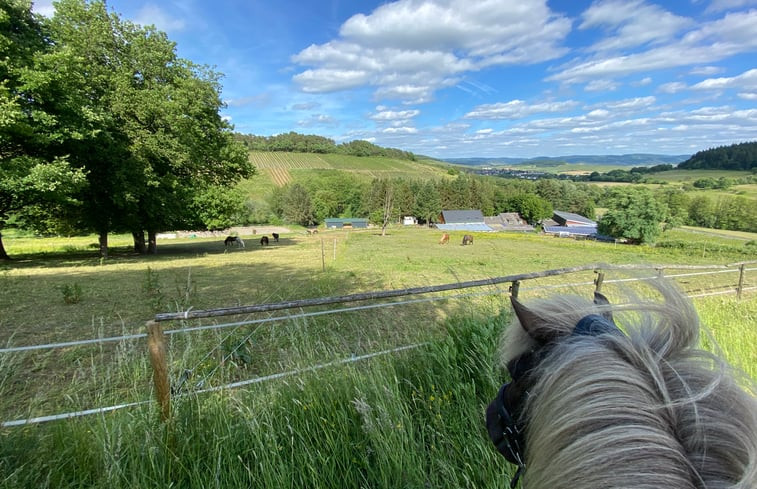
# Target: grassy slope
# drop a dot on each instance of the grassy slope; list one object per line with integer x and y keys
{"x": 412, "y": 418}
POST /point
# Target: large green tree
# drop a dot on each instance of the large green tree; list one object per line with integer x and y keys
{"x": 633, "y": 214}
{"x": 151, "y": 136}
{"x": 531, "y": 207}
{"x": 34, "y": 177}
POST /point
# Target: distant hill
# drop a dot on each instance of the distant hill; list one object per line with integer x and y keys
{"x": 742, "y": 156}
{"x": 638, "y": 159}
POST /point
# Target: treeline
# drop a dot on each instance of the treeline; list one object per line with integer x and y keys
{"x": 310, "y": 143}
{"x": 742, "y": 156}
{"x": 105, "y": 129}
{"x": 340, "y": 194}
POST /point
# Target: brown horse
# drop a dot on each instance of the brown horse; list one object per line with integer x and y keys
{"x": 467, "y": 239}
{"x": 445, "y": 239}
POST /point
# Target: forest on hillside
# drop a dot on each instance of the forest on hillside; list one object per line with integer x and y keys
{"x": 742, "y": 156}
{"x": 311, "y": 143}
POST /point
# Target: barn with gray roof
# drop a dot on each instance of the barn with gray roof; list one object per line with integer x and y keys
{"x": 463, "y": 220}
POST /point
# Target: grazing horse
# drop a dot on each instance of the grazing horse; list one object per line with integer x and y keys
{"x": 445, "y": 239}
{"x": 264, "y": 241}
{"x": 275, "y": 237}
{"x": 591, "y": 405}
{"x": 231, "y": 240}
{"x": 467, "y": 239}
{"x": 312, "y": 231}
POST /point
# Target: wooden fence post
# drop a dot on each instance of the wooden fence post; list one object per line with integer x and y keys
{"x": 741, "y": 281}
{"x": 598, "y": 281}
{"x": 514, "y": 288}
{"x": 156, "y": 345}
{"x": 323, "y": 257}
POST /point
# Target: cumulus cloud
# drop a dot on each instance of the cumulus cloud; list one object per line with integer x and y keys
{"x": 629, "y": 23}
{"x": 517, "y": 109}
{"x": 408, "y": 49}
{"x": 707, "y": 42}
{"x": 317, "y": 120}
{"x": 601, "y": 86}
{"x": 746, "y": 80}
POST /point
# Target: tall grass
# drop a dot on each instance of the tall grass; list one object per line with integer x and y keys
{"x": 409, "y": 420}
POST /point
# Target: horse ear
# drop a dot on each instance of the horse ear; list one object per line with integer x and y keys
{"x": 601, "y": 300}
{"x": 531, "y": 322}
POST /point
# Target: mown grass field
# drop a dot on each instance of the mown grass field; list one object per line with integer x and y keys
{"x": 407, "y": 419}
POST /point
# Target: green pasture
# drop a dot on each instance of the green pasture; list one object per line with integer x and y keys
{"x": 405, "y": 419}
{"x": 691, "y": 175}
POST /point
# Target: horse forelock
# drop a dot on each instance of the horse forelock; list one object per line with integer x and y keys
{"x": 644, "y": 409}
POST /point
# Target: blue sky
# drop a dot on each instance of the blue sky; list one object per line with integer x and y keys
{"x": 457, "y": 78}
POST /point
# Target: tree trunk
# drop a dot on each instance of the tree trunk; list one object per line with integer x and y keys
{"x": 139, "y": 242}
{"x": 103, "y": 239}
{"x": 3, "y": 255}
{"x": 152, "y": 242}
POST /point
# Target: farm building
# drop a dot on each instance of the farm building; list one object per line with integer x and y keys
{"x": 345, "y": 222}
{"x": 463, "y": 220}
{"x": 409, "y": 220}
{"x": 508, "y": 221}
{"x": 569, "y": 224}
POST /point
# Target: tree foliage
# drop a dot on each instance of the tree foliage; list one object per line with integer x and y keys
{"x": 742, "y": 156}
{"x": 633, "y": 214}
{"x": 310, "y": 143}
{"x": 113, "y": 100}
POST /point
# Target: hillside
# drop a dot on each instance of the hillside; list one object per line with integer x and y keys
{"x": 280, "y": 167}
{"x": 741, "y": 156}
{"x": 613, "y": 160}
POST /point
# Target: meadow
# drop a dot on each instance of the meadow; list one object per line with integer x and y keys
{"x": 410, "y": 418}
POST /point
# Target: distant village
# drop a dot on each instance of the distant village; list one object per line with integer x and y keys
{"x": 515, "y": 173}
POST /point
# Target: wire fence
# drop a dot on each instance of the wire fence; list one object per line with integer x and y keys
{"x": 494, "y": 288}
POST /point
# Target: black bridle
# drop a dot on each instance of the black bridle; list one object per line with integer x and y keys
{"x": 505, "y": 419}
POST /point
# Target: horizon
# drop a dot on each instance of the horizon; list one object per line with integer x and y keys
{"x": 478, "y": 79}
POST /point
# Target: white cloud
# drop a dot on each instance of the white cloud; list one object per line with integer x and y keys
{"x": 672, "y": 87}
{"x": 746, "y": 80}
{"x": 517, "y": 109}
{"x": 631, "y": 104}
{"x": 720, "y": 5}
{"x": 153, "y": 15}
{"x": 748, "y": 96}
{"x": 317, "y": 120}
{"x": 408, "y": 49}
{"x": 391, "y": 115}
{"x": 399, "y": 130}
{"x": 709, "y": 42}
{"x": 630, "y": 23}
{"x": 601, "y": 86}
{"x": 706, "y": 70}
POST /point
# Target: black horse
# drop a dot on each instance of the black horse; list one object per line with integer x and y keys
{"x": 232, "y": 240}
{"x": 275, "y": 237}
{"x": 264, "y": 241}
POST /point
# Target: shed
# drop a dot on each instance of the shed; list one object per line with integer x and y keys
{"x": 508, "y": 221}
{"x": 463, "y": 220}
{"x": 346, "y": 222}
{"x": 570, "y": 219}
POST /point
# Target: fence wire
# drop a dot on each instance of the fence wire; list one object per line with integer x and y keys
{"x": 493, "y": 282}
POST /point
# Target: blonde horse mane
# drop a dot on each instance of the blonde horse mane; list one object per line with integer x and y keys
{"x": 645, "y": 409}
